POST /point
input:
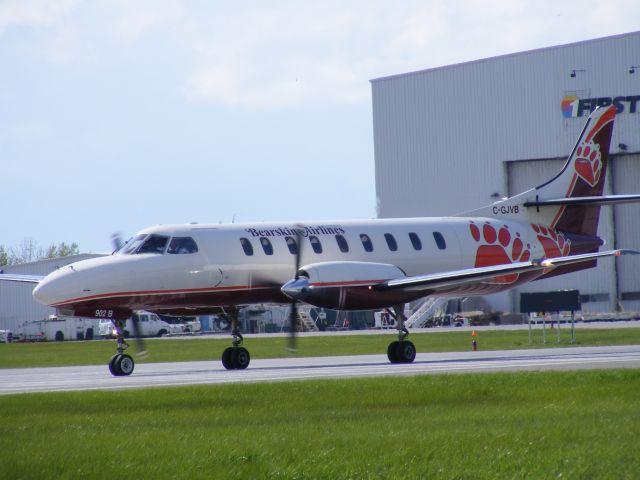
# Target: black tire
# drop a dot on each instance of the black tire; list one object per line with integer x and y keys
{"x": 125, "y": 364}
{"x": 240, "y": 358}
{"x": 392, "y": 352}
{"x": 59, "y": 336}
{"x": 226, "y": 358}
{"x": 112, "y": 365}
{"x": 162, "y": 333}
{"x": 406, "y": 352}
{"x": 89, "y": 334}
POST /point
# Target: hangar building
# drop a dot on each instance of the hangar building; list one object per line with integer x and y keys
{"x": 17, "y": 306}
{"x": 455, "y": 138}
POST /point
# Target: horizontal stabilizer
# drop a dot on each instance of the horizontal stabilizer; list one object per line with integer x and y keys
{"x": 597, "y": 200}
{"x": 437, "y": 282}
{"x": 7, "y": 277}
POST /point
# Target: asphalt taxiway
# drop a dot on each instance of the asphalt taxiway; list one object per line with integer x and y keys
{"x": 97, "y": 377}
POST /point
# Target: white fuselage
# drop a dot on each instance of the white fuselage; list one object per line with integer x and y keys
{"x": 242, "y": 264}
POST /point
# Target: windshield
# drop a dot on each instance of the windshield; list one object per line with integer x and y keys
{"x": 153, "y": 244}
{"x": 145, "y": 244}
{"x": 132, "y": 244}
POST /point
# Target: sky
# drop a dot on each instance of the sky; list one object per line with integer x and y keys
{"x": 118, "y": 115}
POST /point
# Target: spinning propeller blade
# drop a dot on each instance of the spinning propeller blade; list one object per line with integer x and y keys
{"x": 140, "y": 347}
{"x": 293, "y": 315}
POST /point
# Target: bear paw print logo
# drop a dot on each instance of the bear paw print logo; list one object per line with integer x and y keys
{"x": 554, "y": 243}
{"x": 498, "y": 246}
{"x": 589, "y": 163}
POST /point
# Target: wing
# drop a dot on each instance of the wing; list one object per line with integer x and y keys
{"x": 9, "y": 277}
{"x": 437, "y": 282}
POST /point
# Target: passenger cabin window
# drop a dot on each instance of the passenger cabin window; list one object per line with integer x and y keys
{"x": 415, "y": 241}
{"x": 315, "y": 244}
{"x": 292, "y": 245}
{"x": 342, "y": 243}
{"x": 266, "y": 246}
{"x": 246, "y": 246}
{"x": 391, "y": 242}
{"x": 153, "y": 244}
{"x": 182, "y": 245}
{"x": 366, "y": 242}
{"x": 437, "y": 236}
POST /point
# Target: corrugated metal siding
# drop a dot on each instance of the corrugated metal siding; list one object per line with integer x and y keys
{"x": 443, "y": 137}
{"x": 599, "y": 281}
{"x": 626, "y": 178}
{"x": 435, "y": 127}
{"x": 17, "y": 306}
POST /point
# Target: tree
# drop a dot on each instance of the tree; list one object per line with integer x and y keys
{"x": 64, "y": 250}
{"x": 28, "y": 250}
{"x": 4, "y": 256}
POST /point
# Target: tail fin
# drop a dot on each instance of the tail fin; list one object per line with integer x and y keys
{"x": 582, "y": 176}
{"x": 569, "y": 202}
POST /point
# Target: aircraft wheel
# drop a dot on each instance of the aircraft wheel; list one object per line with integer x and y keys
{"x": 392, "y": 352}
{"x": 406, "y": 351}
{"x": 240, "y": 358}
{"x": 124, "y": 364}
{"x": 226, "y": 358}
{"x": 112, "y": 365}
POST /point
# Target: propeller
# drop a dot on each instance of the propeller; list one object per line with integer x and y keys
{"x": 140, "y": 346}
{"x": 116, "y": 241}
{"x": 293, "y": 315}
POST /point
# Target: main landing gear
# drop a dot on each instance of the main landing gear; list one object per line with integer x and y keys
{"x": 121, "y": 364}
{"x": 235, "y": 357}
{"x": 401, "y": 350}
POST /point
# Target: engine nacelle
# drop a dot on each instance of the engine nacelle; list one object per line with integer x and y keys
{"x": 346, "y": 285}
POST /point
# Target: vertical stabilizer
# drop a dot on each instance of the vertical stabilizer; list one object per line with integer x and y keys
{"x": 553, "y": 204}
{"x": 582, "y": 176}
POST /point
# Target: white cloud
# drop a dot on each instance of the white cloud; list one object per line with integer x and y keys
{"x": 33, "y": 13}
{"x": 134, "y": 19}
{"x": 254, "y": 54}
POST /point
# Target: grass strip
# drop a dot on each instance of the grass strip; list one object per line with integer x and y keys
{"x": 494, "y": 426}
{"x": 17, "y": 355}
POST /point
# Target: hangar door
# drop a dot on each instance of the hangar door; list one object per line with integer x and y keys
{"x": 597, "y": 285}
{"x": 626, "y": 179}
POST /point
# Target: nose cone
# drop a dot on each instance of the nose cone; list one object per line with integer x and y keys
{"x": 53, "y": 288}
{"x": 296, "y": 289}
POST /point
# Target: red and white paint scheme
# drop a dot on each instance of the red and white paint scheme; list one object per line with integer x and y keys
{"x": 368, "y": 264}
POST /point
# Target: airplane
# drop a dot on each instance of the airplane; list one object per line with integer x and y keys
{"x": 199, "y": 269}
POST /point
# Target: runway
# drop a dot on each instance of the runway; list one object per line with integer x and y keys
{"x": 97, "y": 377}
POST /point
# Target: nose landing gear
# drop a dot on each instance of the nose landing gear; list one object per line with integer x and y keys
{"x": 121, "y": 364}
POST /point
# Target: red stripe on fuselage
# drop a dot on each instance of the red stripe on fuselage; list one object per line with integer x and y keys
{"x": 232, "y": 288}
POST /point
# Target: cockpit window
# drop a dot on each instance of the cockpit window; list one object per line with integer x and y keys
{"x": 182, "y": 245}
{"x": 132, "y": 244}
{"x": 153, "y": 244}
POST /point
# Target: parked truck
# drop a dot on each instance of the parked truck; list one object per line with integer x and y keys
{"x": 149, "y": 325}
{"x": 59, "y": 328}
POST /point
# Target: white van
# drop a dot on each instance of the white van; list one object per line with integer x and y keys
{"x": 149, "y": 325}
{"x": 6, "y": 336}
